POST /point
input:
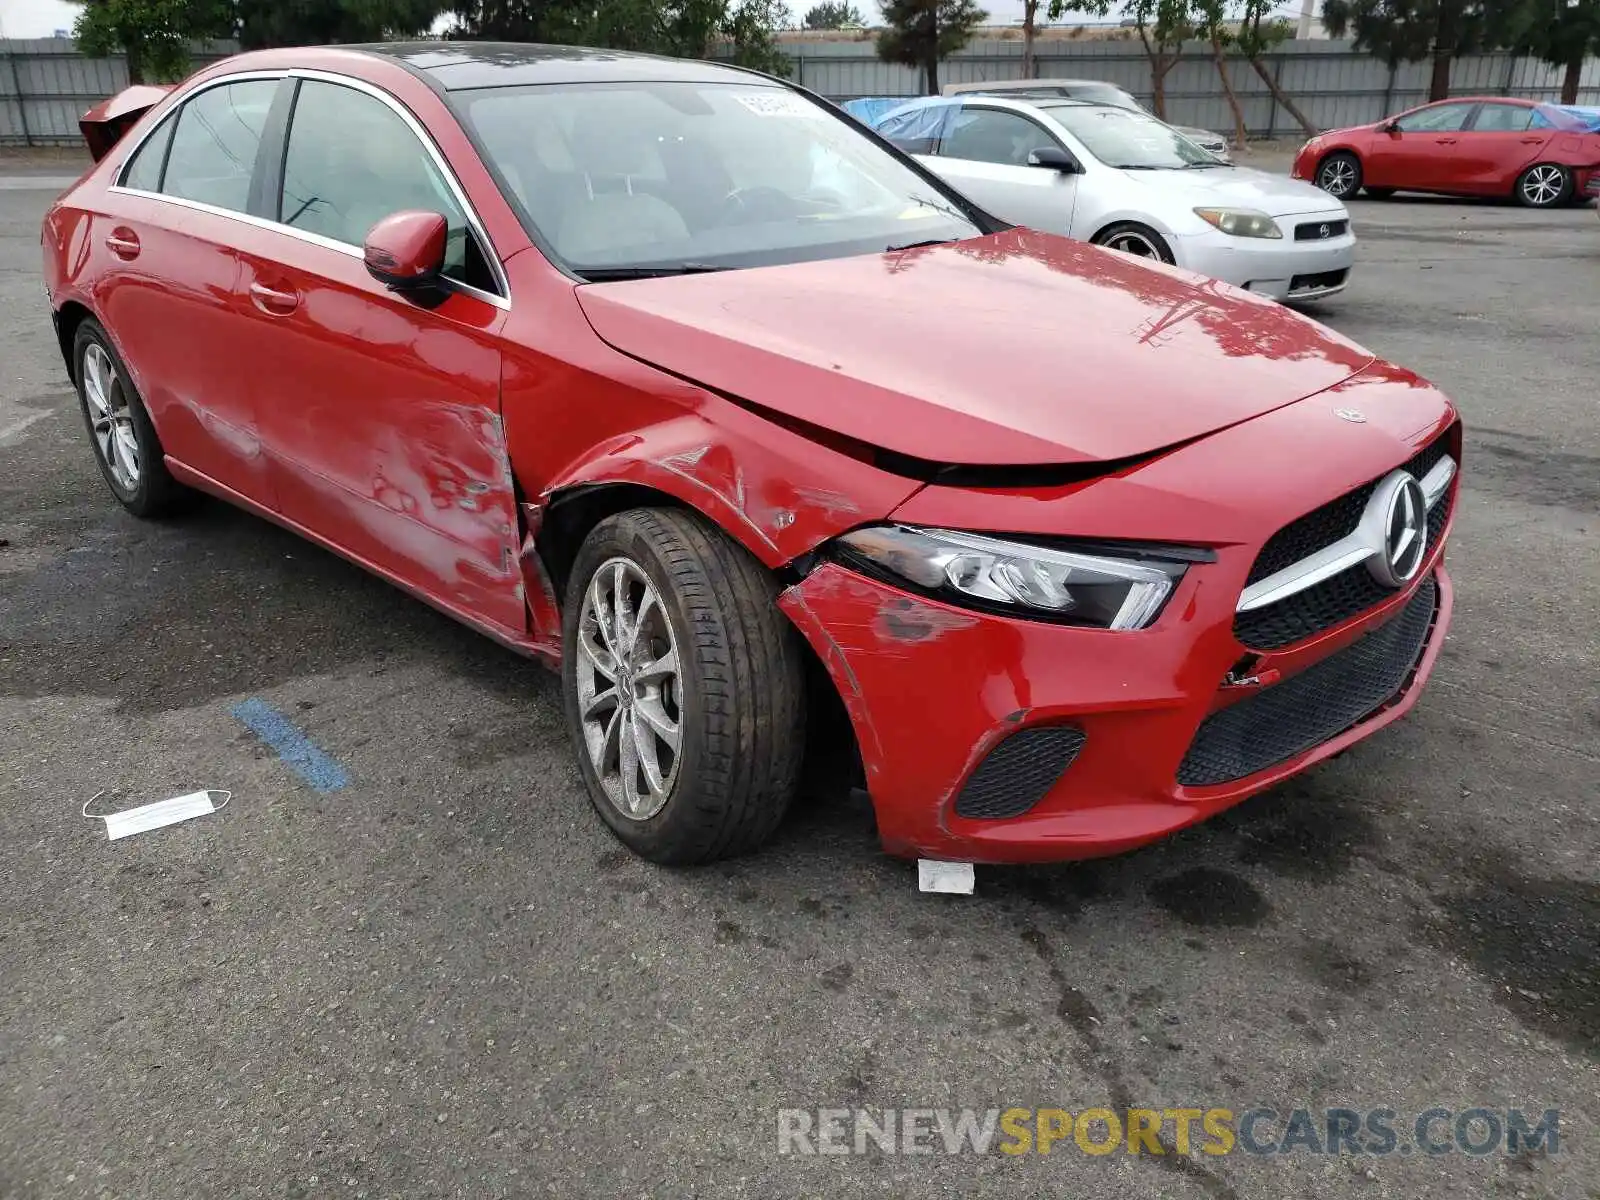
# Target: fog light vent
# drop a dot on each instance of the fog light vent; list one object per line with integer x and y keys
{"x": 1019, "y": 772}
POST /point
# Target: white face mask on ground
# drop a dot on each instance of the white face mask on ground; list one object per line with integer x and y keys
{"x": 154, "y": 816}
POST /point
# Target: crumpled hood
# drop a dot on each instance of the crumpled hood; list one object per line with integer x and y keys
{"x": 1241, "y": 187}
{"x": 1021, "y": 348}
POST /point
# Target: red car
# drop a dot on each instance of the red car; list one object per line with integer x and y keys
{"x": 1539, "y": 154}
{"x": 671, "y": 375}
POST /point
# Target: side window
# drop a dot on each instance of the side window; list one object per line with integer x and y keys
{"x": 214, "y": 144}
{"x": 1439, "y": 118}
{"x": 1502, "y": 118}
{"x": 144, "y": 171}
{"x": 989, "y": 135}
{"x": 352, "y": 160}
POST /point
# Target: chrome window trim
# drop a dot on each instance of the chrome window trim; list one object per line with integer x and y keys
{"x": 496, "y": 267}
{"x": 1351, "y": 550}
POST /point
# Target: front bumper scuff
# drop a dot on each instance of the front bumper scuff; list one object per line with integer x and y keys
{"x": 932, "y": 689}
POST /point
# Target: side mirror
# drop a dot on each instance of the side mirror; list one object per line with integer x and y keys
{"x": 1389, "y": 127}
{"x": 405, "y": 250}
{"x": 1054, "y": 158}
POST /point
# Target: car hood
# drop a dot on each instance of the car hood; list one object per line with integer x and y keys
{"x": 1021, "y": 348}
{"x": 1275, "y": 195}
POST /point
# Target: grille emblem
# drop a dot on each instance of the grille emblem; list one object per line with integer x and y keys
{"x": 1397, "y": 508}
{"x": 1351, "y": 414}
{"x": 1323, "y": 231}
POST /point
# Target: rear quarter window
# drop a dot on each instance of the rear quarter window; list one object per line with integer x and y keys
{"x": 143, "y": 171}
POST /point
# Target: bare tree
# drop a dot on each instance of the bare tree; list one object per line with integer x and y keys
{"x": 1211, "y": 23}
{"x": 1259, "y": 31}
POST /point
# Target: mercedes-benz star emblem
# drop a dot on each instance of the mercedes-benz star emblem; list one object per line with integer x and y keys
{"x": 1397, "y": 517}
{"x": 1351, "y": 414}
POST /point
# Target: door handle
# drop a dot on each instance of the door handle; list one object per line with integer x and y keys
{"x": 1532, "y": 141}
{"x": 123, "y": 242}
{"x": 1446, "y": 141}
{"x": 273, "y": 301}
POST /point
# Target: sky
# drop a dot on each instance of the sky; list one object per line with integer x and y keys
{"x": 35, "y": 18}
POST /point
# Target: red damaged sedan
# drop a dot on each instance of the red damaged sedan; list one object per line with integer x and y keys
{"x": 1540, "y": 155}
{"x": 671, "y": 375}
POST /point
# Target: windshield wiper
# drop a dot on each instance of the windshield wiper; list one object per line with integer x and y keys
{"x": 918, "y": 245}
{"x": 617, "y": 274}
{"x": 1206, "y": 166}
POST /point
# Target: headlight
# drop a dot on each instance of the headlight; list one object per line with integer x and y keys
{"x": 1240, "y": 222}
{"x": 984, "y": 572}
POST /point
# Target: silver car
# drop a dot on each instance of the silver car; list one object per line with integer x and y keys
{"x": 1126, "y": 181}
{"x": 1096, "y": 91}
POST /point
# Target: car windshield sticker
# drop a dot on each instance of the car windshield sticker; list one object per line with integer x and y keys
{"x": 774, "y": 103}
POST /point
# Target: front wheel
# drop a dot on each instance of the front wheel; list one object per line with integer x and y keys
{"x": 1340, "y": 175}
{"x": 1138, "y": 240}
{"x": 1544, "y": 185}
{"x": 683, "y": 688}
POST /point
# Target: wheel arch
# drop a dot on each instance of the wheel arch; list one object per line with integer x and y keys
{"x": 1146, "y": 220}
{"x": 1347, "y": 151}
{"x": 567, "y": 514}
{"x": 69, "y": 317}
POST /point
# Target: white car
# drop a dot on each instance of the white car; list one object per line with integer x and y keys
{"x": 1096, "y": 91}
{"x": 1124, "y": 180}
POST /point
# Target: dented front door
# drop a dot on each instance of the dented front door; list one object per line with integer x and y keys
{"x": 381, "y": 421}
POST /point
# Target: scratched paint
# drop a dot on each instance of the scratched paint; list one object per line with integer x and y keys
{"x": 904, "y": 620}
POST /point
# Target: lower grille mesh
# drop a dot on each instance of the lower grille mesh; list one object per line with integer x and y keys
{"x": 1309, "y": 708}
{"x": 1019, "y": 772}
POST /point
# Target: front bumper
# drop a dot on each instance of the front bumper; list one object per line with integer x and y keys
{"x": 932, "y": 690}
{"x": 1281, "y": 269}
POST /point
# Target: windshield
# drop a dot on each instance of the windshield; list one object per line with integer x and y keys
{"x": 1129, "y": 140}
{"x": 652, "y": 177}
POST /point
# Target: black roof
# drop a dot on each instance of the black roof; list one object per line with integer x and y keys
{"x": 458, "y": 65}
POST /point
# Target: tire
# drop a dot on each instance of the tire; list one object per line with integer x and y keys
{"x": 1380, "y": 193}
{"x": 125, "y": 442}
{"x": 1129, "y": 237}
{"x": 1339, "y": 175}
{"x": 738, "y": 696}
{"x": 1544, "y": 185}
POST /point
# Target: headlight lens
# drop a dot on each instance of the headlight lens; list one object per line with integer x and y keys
{"x": 1064, "y": 585}
{"x": 1240, "y": 222}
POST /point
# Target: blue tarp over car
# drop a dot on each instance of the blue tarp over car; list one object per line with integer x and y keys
{"x": 917, "y": 126}
{"x": 1574, "y": 117}
{"x": 869, "y": 108}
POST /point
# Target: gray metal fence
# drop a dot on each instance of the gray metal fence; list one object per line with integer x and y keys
{"x": 45, "y": 86}
{"x": 1332, "y": 83}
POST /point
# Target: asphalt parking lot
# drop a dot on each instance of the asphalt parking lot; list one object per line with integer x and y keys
{"x": 446, "y": 978}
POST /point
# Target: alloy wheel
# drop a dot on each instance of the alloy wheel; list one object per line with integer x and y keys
{"x": 1131, "y": 241}
{"x": 110, "y": 418}
{"x": 628, "y": 688}
{"x": 1337, "y": 177}
{"x": 1543, "y": 185}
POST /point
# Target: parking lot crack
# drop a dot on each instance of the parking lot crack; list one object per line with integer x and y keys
{"x": 1079, "y": 1013}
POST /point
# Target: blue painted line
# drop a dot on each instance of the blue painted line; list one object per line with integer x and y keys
{"x": 301, "y": 754}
